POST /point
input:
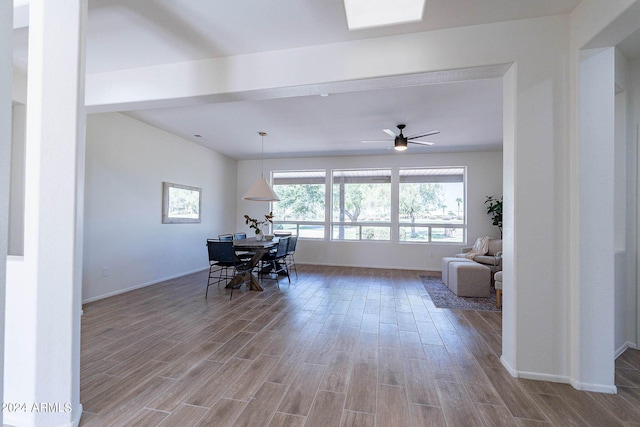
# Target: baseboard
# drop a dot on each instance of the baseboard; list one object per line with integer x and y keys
{"x": 545, "y": 377}
{"x": 374, "y": 267}
{"x": 143, "y": 285}
{"x": 597, "y": 388}
{"x": 22, "y": 419}
{"x": 533, "y": 375}
{"x": 78, "y": 415}
{"x": 508, "y": 367}
{"x": 624, "y": 347}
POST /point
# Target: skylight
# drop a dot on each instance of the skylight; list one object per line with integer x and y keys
{"x": 375, "y": 13}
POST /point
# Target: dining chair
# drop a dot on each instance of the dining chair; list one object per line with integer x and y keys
{"x": 243, "y": 255}
{"x": 222, "y": 258}
{"x": 277, "y": 260}
{"x": 291, "y": 249}
{"x": 225, "y": 237}
{"x": 282, "y": 233}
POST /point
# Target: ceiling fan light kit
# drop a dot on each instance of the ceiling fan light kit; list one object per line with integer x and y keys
{"x": 400, "y": 141}
{"x": 400, "y": 144}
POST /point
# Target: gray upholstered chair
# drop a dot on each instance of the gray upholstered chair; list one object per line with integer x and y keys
{"x": 498, "y": 284}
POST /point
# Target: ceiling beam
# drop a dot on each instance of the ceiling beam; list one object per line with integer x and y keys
{"x": 20, "y": 14}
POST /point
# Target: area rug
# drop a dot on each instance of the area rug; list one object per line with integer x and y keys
{"x": 442, "y": 296}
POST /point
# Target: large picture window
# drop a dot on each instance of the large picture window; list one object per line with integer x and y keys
{"x": 431, "y": 205}
{"x": 361, "y": 205}
{"x": 301, "y": 208}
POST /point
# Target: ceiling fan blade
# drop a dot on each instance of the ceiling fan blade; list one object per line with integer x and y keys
{"x": 389, "y": 132}
{"x": 421, "y": 142}
{"x": 368, "y": 141}
{"x": 433, "y": 132}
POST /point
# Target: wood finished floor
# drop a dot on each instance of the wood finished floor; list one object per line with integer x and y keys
{"x": 337, "y": 347}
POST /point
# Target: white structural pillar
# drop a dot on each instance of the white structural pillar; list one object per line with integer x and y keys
{"x": 594, "y": 366}
{"x": 42, "y": 351}
{"x": 6, "y": 48}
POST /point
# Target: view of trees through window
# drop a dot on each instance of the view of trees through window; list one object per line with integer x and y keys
{"x": 430, "y": 204}
{"x": 301, "y": 208}
{"x": 361, "y": 205}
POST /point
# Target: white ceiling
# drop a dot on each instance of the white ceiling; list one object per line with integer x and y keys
{"x": 126, "y": 34}
{"x": 468, "y": 115}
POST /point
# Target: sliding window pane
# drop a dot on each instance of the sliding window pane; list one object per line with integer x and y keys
{"x": 291, "y": 228}
{"x": 414, "y": 234}
{"x": 311, "y": 231}
{"x": 375, "y": 233}
{"x": 447, "y": 235}
{"x": 346, "y": 232}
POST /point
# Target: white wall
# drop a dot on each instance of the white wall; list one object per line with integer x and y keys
{"x": 484, "y": 178}
{"x": 633, "y": 134}
{"x": 625, "y": 209}
{"x": 16, "y": 201}
{"x": 597, "y": 191}
{"x": 6, "y": 16}
{"x": 126, "y": 163}
{"x": 594, "y": 293}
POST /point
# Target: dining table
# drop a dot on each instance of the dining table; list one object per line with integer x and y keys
{"x": 258, "y": 248}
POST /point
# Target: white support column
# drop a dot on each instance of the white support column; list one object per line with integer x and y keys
{"x": 44, "y": 303}
{"x": 594, "y": 361}
{"x": 6, "y": 50}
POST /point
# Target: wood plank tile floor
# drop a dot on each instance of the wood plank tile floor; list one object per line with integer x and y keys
{"x": 337, "y": 347}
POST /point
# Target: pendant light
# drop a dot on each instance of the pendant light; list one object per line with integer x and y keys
{"x": 260, "y": 191}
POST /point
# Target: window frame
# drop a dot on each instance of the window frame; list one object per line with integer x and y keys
{"x": 388, "y": 224}
{"x": 394, "y": 225}
{"x": 298, "y": 223}
{"x": 429, "y": 224}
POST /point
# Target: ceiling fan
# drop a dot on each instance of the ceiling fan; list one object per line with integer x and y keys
{"x": 400, "y": 141}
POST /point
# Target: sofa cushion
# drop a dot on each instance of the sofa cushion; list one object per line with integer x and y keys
{"x": 498, "y": 280}
{"x": 445, "y": 267}
{"x": 469, "y": 279}
{"x": 486, "y": 259}
{"x": 495, "y": 246}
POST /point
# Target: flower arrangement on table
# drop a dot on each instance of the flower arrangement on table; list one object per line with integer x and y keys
{"x": 257, "y": 225}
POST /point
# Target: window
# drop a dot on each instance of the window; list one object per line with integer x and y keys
{"x": 361, "y": 205}
{"x": 431, "y": 205}
{"x": 180, "y": 203}
{"x": 301, "y": 208}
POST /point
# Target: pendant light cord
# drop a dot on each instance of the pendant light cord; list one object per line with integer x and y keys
{"x": 262, "y": 135}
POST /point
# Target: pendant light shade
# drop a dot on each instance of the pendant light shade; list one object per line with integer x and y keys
{"x": 261, "y": 191}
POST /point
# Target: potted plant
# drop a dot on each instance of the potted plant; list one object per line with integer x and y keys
{"x": 258, "y": 225}
{"x": 495, "y": 210}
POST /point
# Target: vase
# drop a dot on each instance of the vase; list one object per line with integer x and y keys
{"x": 259, "y": 237}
